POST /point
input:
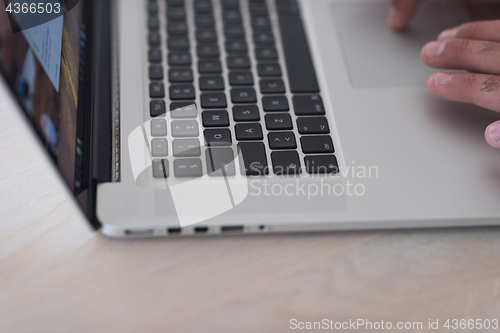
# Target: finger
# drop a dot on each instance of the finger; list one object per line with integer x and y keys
{"x": 479, "y": 89}
{"x": 492, "y": 134}
{"x": 401, "y": 13}
{"x": 484, "y": 30}
{"x": 471, "y": 55}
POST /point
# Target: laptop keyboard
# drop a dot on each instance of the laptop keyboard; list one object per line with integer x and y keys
{"x": 248, "y": 67}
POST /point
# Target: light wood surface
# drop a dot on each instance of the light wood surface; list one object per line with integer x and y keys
{"x": 56, "y": 275}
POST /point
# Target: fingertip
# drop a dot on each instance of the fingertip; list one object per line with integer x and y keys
{"x": 492, "y": 134}
{"x": 448, "y": 34}
{"x": 395, "y": 21}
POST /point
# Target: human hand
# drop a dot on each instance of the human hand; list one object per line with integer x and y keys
{"x": 475, "y": 48}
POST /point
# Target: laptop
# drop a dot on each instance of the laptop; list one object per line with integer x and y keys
{"x": 208, "y": 117}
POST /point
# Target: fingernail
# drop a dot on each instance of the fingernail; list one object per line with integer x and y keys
{"x": 494, "y": 132}
{"x": 434, "y": 49}
{"x": 392, "y": 18}
{"x": 448, "y": 34}
{"x": 442, "y": 79}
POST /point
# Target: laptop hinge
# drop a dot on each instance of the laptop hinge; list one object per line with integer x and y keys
{"x": 101, "y": 92}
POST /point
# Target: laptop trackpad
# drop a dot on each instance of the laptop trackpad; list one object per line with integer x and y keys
{"x": 379, "y": 57}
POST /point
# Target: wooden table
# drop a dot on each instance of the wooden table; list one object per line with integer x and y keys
{"x": 56, "y": 275}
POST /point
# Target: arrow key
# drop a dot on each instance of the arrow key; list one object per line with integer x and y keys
{"x": 282, "y": 140}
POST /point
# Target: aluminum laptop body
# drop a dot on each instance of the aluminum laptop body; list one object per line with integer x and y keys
{"x": 405, "y": 159}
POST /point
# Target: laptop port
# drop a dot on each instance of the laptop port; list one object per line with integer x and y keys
{"x": 174, "y": 231}
{"x": 140, "y": 232}
{"x": 201, "y": 230}
{"x": 232, "y": 229}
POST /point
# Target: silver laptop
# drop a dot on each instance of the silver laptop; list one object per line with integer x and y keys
{"x": 207, "y": 117}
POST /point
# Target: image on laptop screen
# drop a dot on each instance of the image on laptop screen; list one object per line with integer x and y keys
{"x": 44, "y": 67}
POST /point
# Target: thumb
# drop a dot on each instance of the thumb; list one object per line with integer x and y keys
{"x": 492, "y": 134}
{"x": 401, "y": 13}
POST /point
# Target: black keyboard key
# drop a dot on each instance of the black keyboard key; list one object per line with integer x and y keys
{"x": 176, "y": 14}
{"x": 156, "y": 108}
{"x": 155, "y": 55}
{"x": 238, "y": 62}
{"x": 301, "y": 73}
{"x": 231, "y": 17}
{"x": 203, "y": 7}
{"x": 286, "y": 162}
{"x": 206, "y": 36}
{"x": 155, "y": 72}
{"x": 282, "y": 140}
{"x": 313, "y": 125}
{"x": 250, "y": 131}
{"x": 217, "y": 137}
{"x": 266, "y": 53}
{"x": 180, "y": 75}
{"x": 243, "y": 95}
{"x": 178, "y": 92}
{"x": 205, "y": 21}
{"x": 211, "y": 83}
{"x": 279, "y": 121}
{"x": 178, "y": 44}
{"x": 185, "y": 128}
{"x": 179, "y": 59}
{"x": 188, "y": 167}
{"x": 208, "y": 51}
{"x": 154, "y": 39}
{"x": 321, "y": 164}
{"x": 209, "y": 66}
{"x": 261, "y": 23}
{"x": 177, "y": 28}
{"x": 317, "y": 144}
{"x": 287, "y": 8}
{"x": 220, "y": 162}
{"x": 234, "y": 32}
{"x": 153, "y": 9}
{"x": 175, "y": 3}
{"x": 213, "y": 101}
{"x": 159, "y": 147}
{"x": 254, "y": 158}
{"x": 156, "y": 90}
{"x": 269, "y": 69}
{"x": 275, "y": 103}
{"x": 180, "y": 110}
{"x": 160, "y": 168}
{"x": 240, "y": 78}
{"x": 263, "y": 38}
{"x": 186, "y": 147}
{"x": 158, "y": 127}
{"x": 272, "y": 86}
{"x": 230, "y": 4}
{"x": 246, "y": 113}
{"x": 153, "y": 24}
{"x": 308, "y": 105}
{"x": 217, "y": 118}
{"x": 236, "y": 46}
{"x": 258, "y": 9}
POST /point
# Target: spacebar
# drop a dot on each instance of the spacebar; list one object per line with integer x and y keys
{"x": 301, "y": 74}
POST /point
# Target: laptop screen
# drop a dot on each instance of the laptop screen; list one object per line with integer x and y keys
{"x": 44, "y": 67}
